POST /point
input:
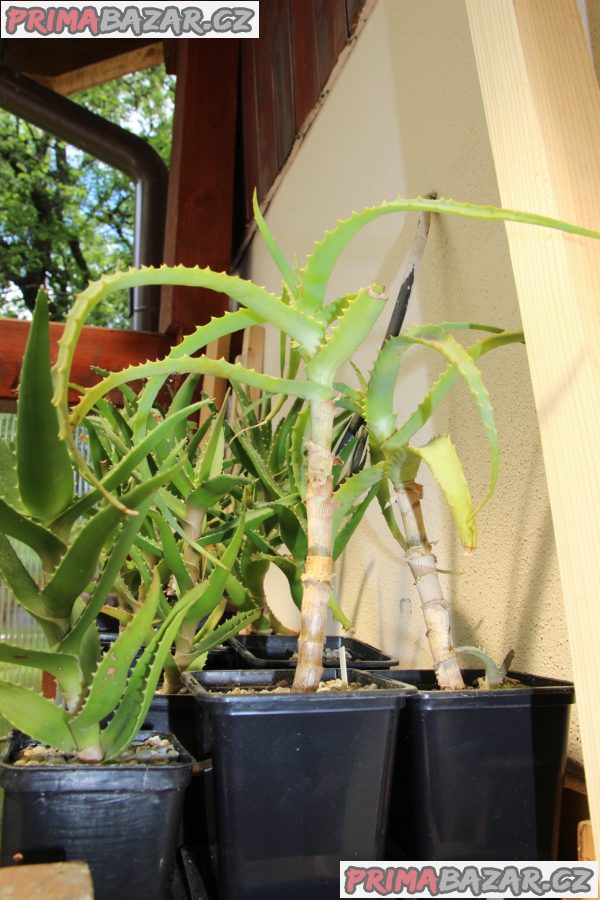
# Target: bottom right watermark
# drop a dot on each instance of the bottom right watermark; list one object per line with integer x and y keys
{"x": 449, "y": 878}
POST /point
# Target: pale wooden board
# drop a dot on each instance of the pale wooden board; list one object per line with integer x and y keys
{"x": 106, "y": 70}
{"x": 542, "y": 105}
{"x": 52, "y": 881}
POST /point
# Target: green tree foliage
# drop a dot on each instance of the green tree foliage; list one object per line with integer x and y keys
{"x": 66, "y": 217}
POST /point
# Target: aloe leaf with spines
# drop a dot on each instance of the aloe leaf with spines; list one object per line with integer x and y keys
{"x": 325, "y": 342}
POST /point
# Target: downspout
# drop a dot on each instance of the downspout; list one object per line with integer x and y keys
{"x": 117, "y": 148}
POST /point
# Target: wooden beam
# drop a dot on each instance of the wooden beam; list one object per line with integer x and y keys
{"x": 106, "y": 70}
{"x": 103, "y": 347}
{"x": 48, "y": 881}
{"x": 201, "y": 181}
{"x": 542, "y": 105}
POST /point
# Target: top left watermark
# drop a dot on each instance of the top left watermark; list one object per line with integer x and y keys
{"x": 157, "y": 19}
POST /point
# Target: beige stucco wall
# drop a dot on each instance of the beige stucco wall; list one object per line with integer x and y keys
{"x": 405, "y": 116}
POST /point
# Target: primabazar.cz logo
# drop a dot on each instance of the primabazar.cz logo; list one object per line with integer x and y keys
{"x": 158, "y": 19}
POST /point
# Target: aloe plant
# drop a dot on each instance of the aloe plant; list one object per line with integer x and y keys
{"x": 321, "y": 337}
{"x": 83, "y": 543}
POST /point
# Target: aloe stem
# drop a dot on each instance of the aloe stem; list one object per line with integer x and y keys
{"x": 318, "y": 571}
{"x": 422, "y": 564}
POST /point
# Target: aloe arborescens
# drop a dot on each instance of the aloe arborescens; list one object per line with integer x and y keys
{"x": 323, "y": 338}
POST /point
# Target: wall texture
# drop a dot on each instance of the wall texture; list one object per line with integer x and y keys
{"x": 404, "y": 116}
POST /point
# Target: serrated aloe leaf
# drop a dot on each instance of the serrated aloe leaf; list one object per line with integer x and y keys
{"x": 44, "y": 469}
{"x": 224, "y": 631}
{"x": 345, "y": 531}
{"x": 281, "y": 444}
{"x": 292, "y": 572}
{"x": 185, "y": 365}
{"x": 78, "y": 566}
{"x": 352, "y": 489}
{"x": 172, "y": 555}
{"x": 455, "y": 353}
{"x": 319, "y": 265}
{"x": 111, "y": 676}
{"x": 442, "y": 459}
{"x": 121, "y": 432}
{"x": 209, "y": 493}
{"x": 26, "y": 592}
{"x": 287, "y": 273}
{"x": 139, "y": 692}
{"x": 9, "y": 488}
{"x": 258, "y": 465}
{"x": 210, "y": 461}
{"x": 385, "y": 504}
{"x": 249, "y": 295}
{"x": 297, "y": 467}
{"x": 208, "y": 595}
{"x": 254, "y": 572}
{"x": 442, "y": 385}
{"x": 36, "y": 716}
{"x": 47, "y": 546}
{"x": 219, "y": 327}
{"x": 121, "y": 472}
{"x": 293, "y": 533}
{"x": 354, "y": 321}
{"x": 63, "y": 666}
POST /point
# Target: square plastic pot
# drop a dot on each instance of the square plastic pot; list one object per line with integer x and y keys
{"x": 479, "y": 774}
{"x": 123, "y": 820}
{"x": 300, "y": 781}
{"x": 276, "y": 651}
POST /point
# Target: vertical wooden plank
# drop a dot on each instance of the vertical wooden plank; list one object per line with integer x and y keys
{"x": 304, "y": 60}
{"x": 542, "y": 105}
{"x": 249, "y": 102}
{"x": 253, "y": 353}
{"x": 201, "y": 180}
{"x": 282, "y": 78}
{"x": 353, "y": 10}
{"x": 265, "y": 93}
{"x": 330, "y": 16}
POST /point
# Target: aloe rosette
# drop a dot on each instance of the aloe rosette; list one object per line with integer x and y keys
{"x": 83, "y": 544}
{"x": 318, "y": 335}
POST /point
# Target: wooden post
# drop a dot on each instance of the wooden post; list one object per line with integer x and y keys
{"x": 201, "y": 179}
{"x": 542, "y": 105}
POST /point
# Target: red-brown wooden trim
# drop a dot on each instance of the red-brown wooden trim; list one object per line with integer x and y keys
{"x": 103, "y": 347}
{"x": 201, "y": 180}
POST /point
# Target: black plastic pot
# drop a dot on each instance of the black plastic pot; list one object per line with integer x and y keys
{"x": 123, "y": 820}
{"x": 275, "y": 651}
{"x": 479, "y": 773}
{"x": 300, "y": 781}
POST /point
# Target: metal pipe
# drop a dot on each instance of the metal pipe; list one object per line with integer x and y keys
{"x": 112, "y": 145}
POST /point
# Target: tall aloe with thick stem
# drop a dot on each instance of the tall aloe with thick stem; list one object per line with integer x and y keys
{"x": 390, "y": 443}
{"x": 322, "y": 337}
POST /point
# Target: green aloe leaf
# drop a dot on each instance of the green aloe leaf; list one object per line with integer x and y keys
{"x": 111, "y": 676}
{"x": 64, "y": 667}
{"x": 222, "y": 633}
{"x": 442, "y": 385}
{"x": 172, "y": 555}
{"x": 208, "y": 594}
{"x": 9, "y": 487}
{"x": 352, "y": 489}
{"x": 36, "y": 716}
{"x": 441, "y": 457}
{"x": 354, "y": 321}
{"x": 47, "y": 546}
{"x": 141, "y": 685}
{"x": 257, "y": 299}
{"x": 287, "y": 273}
{"x": 345, "y": 531}
{"x": 26, "y": 591}
{"x": 78, "y": 566}
{"x": 214, "y": 489}
{"x": 319, "y": 265}
{"x": 184, "y": 365}
{"x": 121, "y": 472}
{"x": 43, "y": 465}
